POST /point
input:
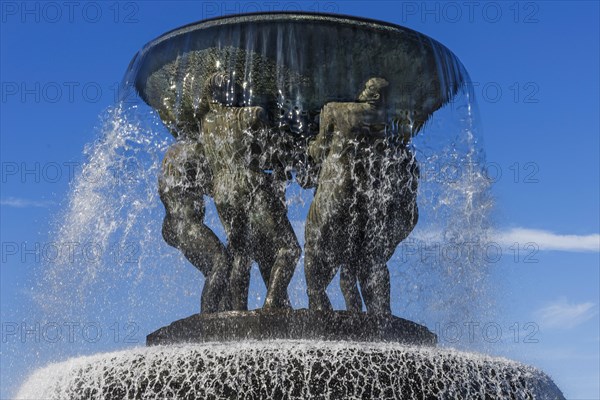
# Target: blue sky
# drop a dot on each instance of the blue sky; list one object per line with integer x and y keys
{"x": 535, "y": 67}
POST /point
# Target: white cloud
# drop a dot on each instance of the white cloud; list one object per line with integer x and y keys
{"x": 549, "y": 241}
{"x": 562, "y": 314}
{"x": 544, "y": 240}
{"x": 24, "y": 203}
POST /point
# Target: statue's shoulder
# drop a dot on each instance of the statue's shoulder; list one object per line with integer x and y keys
{"x": 252, "y": 114}
{"x": 336, "y": 107}
{"x": 332, "y": 106}
{"x": 329, "y": 111}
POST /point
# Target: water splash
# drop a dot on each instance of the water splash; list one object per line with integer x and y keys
{"x": 290, "y": 370}
{"x": 114, "y": 215}
{"x": 106, "y": 237}
{"x": 447, "y": 253}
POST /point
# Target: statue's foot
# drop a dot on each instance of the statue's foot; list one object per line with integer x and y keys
{"x": 354, "y": 308}
{"x": 277, "y": 304}
{"x": 383, "y": 311}
{"x": 319, "y": 302}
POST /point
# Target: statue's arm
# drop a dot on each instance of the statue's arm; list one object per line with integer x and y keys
{"x": 319, "y": 147}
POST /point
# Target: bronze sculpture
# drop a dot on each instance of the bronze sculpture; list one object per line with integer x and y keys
{"x": 263, "y": 118}
{"x": 250, "y": 201}
{"x": 364, "y": 206}
{"x": 183, "y": 182}
{"x": 361, "y": 210}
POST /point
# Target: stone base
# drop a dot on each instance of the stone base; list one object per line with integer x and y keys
{"x": 292, "y": 324}
{"x": 288, "y": 370}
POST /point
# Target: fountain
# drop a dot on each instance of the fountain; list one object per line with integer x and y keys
{"x": 331, "y": 103}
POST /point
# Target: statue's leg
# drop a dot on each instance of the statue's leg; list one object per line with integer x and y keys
{"x": 263, "y": 247}
{"x": 170, "y": 228}
{"x": 182, "y": 183}
{"x": 373, "y": 273}
{"x": 208, "y": 252}
{"x": 240, "y": 282}
{"x": 203, "y": 250}
{"x": 394, "y": 217}
{"x": 374, "y": 281}
{"x": 276, "y": 248}
{"x": 215, "y": 294}
{"x": 235, "y": 222}
{"x": 375, "y": 278}
{"x": 265, "y": 258}
{"x": 401, "y": 200}
{"x": 349, "y": 287}
{"x": 352, "y": 255}
{"x": 287, "y": 256}
{"x": 320, "y": 258}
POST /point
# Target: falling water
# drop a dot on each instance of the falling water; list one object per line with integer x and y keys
{"x": 114, "y": 214}
{"x": 290, "y": 370}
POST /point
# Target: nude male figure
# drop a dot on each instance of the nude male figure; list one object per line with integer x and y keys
{"x": 364, "y": 205}
{"x": 249, "y": 200}
{"x": 184, "y": 180}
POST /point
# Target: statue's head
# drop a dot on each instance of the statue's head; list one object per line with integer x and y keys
{"x": 223, "y": 89}
{"x": 374, "y": 91}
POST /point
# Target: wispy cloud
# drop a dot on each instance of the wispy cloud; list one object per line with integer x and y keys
{"x": 543, "y": 240}
{"x": 550, "y": 241}
{"x": 25, "y": 203}
{"x": 565, "y": 315}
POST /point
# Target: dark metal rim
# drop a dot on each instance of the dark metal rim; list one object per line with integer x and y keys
{"x": 281, "y": 15}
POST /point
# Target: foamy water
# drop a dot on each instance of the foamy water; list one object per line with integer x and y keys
{"x": 288, "y": 369}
